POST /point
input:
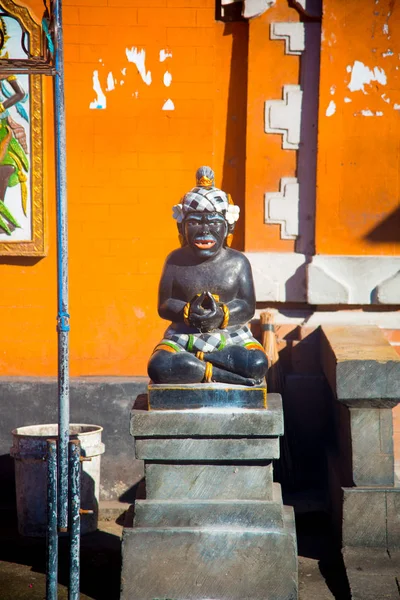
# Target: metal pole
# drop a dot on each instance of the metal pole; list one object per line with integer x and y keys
{"x": 62, "y": 272}
{"x": 52, "y": 531}
{"x": 74, "y": 518}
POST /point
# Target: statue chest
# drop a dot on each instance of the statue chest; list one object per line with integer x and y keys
{"x": 222, "y": 281}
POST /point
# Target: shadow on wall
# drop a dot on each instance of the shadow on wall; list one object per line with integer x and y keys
{"x": 296, "y": 285}
{"x": 307, "y": 154}
{"x": 234, "y": 169}
{"x": 387, "y": 231}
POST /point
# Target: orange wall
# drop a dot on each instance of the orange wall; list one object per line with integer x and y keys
{"x": 358, "y": 155}
{"x": 127, "y": 166}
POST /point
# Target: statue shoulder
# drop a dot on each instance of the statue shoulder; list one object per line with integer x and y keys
{"x": 239, "y": 258}
{"x": 177, "y": 257}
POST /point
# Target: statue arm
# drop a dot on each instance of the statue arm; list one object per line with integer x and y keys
{"x": 169, "y": 308}
{"x": 243, "y": 307}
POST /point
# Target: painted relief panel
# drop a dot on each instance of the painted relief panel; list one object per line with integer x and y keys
{"x": 21, "y": 129}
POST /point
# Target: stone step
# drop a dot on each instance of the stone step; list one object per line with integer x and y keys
{"x": 373, "y": 573}
{"x": 216, "y": 562}
{"x": 205, "y": 513}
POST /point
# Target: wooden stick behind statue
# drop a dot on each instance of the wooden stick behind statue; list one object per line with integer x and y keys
{"x": 207, "y": 292}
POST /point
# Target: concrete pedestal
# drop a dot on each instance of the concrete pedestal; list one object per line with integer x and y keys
{"x": 213, "y": 525}
{"x": 364, "y": 374}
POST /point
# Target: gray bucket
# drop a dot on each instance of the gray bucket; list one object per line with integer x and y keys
{"x": 29, "y": 451}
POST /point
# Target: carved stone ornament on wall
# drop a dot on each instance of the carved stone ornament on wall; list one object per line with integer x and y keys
{"x": 22, "y": 227}
{"x": 283, "y": 208}
{"x": 284, "y": 116}
{"x": 293, "y": 34}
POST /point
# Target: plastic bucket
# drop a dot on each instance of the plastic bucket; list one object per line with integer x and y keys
{"x": 29, "y": 451}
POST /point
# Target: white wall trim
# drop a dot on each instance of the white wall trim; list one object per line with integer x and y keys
{"x": 284, "y": 116}
{"x": 327, "y": 279}
{"x": 278, "y": 276}
{"x": 282, "y": 208}
{"x": 354, "y": 280}
{"x": 293, "y": 35}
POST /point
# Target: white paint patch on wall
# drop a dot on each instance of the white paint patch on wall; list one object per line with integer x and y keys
{"x": 362, "y": 75}
{"x": 387, "y": 53}
{"x": 347, "y": 100}
{"x": 168, "y": 105}
{"x": 123, "y": 71}
{"x": 385, "y": 29}
{"x": 135, "y": 94}
{"x": 167, "y": 78}
{"x": 100, "y": 102}
{"x": 110, "y": 82}
{"x": 385, "y": 99}
{"x": 332, "y": 90}
{"x": 138, "y": 57}
{"x": 331, "y": 109}
{"x": 368, "y": 113}
{"x": 396, "y": 107}
{"x": 164, "y": 54}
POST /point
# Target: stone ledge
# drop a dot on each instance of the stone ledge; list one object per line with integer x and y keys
{"x": 209, "y": 449}
{"x": 209, "y": 422}
{"x": 361, "y": 367}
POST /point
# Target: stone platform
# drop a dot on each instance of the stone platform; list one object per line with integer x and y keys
{"x": 201, "y": 395}
{"x": 213, "y": 525}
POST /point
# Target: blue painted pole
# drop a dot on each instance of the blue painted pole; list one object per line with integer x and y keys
{"x": 62, "y": 272}
{"x": 52, "y": 526}
{"x": 74, "y": 518}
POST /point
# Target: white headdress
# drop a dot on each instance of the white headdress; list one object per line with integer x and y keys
{"x": 206, "y": 197}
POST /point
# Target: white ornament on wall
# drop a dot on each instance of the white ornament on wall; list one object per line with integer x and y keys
{"x": 284, "y": 116}
{"x": 354, "y": 280}
{"x": 250, "y": 8}
{"x": 273, "y": 270}
{"x": 293, "y": 35}
{"x": 282, "y": 208}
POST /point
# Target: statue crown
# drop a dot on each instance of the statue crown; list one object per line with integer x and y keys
{"x": 205, "y": 177}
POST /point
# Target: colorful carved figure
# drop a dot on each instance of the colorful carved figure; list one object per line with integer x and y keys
{"x": 207, "y": 292}
{"x": 14, "y": 164}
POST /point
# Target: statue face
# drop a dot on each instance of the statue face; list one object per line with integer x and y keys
{"x": 205, "y": 233}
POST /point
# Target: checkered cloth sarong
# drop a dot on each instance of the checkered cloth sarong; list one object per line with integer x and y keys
{"x": 208, "y": 342}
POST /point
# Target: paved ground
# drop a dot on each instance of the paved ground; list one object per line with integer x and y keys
{"x": 22, "y": 566}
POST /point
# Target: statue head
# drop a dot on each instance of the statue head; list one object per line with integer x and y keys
{"x": 206, "y": 216}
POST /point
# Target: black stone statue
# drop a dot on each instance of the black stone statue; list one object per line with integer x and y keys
{"x": 207, "y": 291}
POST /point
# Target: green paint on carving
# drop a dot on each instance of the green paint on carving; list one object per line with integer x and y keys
{"x": 4, "y": 211}
{"x": 190, "y": 348}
